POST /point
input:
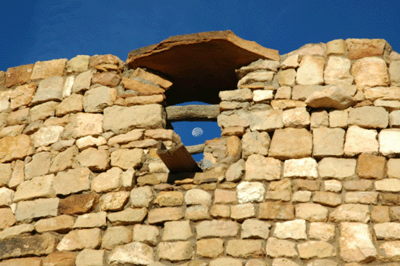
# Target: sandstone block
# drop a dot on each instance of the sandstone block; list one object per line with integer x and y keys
{"x": 89, "y": 220}
{"x": 394, "y": 119}
{"x": 254, "y": 228}
{"x": 359, "y": 140}
{"x": 311, "y": 212}
{"x": 133, "y": 135}
{"x": 82, "y": 82}
{"x": 127, "y": 158}
{"x": 382, "y": 93}
{"x": 322, "y": 231}
{"x": 197, "y": 197}
{"x": 369, "y": 117}
{"x": 27, "y": 245}
{"x": 16, "y": 230}
{"x": 259, "y": 167}
{"x": 69, "y": 83}
{"x": 22, "y": 95}
{"x": 220, "y": 211}
{"x": 306, "y": 167}
{"x": 236, "y": 95}
{"x": 371, "y": 72}
{"x": 255, "y": 143}
{"x": 226, "y": 261}
{"x": 27, "y": 210}
{"x": 60, "y": 223}
{"x": 106, "y": 79}
{"x": 338, "y": 168}
{"x": 16, "y": 177}
{"x": 78, "y": 203}
{"x": 286, "y": 104}
{"x": 287, "y": 77}
{"x": 337, "y": 71}
{"x": 250, "y": 192}
{"x": 6, "y": 197}
{"x": 79, "y": 63}
{"x": 147, "y": 234}
{"x": 295, "y": 229}
{"x": 262, "y": 120}
{"x": 127, "y": 216}
{"x": 12, "y": 148}
{"x": 142, "y": 88}
{"x": 90, "y": 257}
{"x": 225, "y": 196}
{"x": 301, "y": 196}
{"x": 380, "y": 214}
{"x": 38, "y": 187}
{"x": 296, "y": 117}
{"x": 245, "y": 248}
{"x": 49, "y": 90}
{"x": 360, "y": 48}
{"x": 302, "y": 92}
{"x": 311, "y": 70}
{"x": 20, "y": 116}
{"x": 142, "y": 74}
{"x": 350, "y": 213}
{"x": 90, "y": 141}
{"x": 262, "y": 95}
{"x": 233, "y": 120}
{"x": 260, "y": 64}
{"x": 113, "y": 201}
{"x": 387, "y": 231}
{"x": 47, "y": 69}
{"x": 60, "y": 258}
{"x": 280, "y": 190}
{"x": 22, "y": 262}
{"x": 141, "y": 196}
{"x": 132, "y": 253}
{"x": 72, "y": 181}
{"x": 355, "y": 243}
{"x": 47, "y": 135}
{"x": 292, "y": 61}
{"x": 242, "y": 211}
{"x": 210, "y": 248}
{"x": 291, "y": 143}
{"x": 197, "y": 212}
{"x": 371, "y": 166}
{"x": 393, "y": 168}
{"x": 316, "y": 249}
{"x": 361, "y": 197}
{"x": 276, "y": 210}
{"x": 216, "y": 228}
{"x": 281, "y": 248}
{"x": 6, "y": 173}
{"x": 83, "y": 124}
{"x": 159, "y": 215}
{"x": 175, "y": 251}
{"x": 176, "y": 230}
{"x": 94, "y": 159}
{"x": 333, "y": 97}
{"x": 283, "y": 92}
{"x": 169, "y": 198}
{"x": 96, "y": 99}
{"x": 123, "y": 119}
{"x": 42, "y": 111}
{"x": 71, "y": 104}
{"x": 18, "y": 75}
{"x": 7, "y": 218}
{"x": 394, "y": 70}
{"x": 256, "y": 77}
{"x": 388, "y": 144}
{"x": 328, "y": 142}
{"x": 327, "y": 198}
{"x": 338, "y": 119}
{"x": 389, "y": 251}
{"x": 388, "y": 184}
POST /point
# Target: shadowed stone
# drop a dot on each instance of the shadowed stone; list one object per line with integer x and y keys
{"x": 189, "y": 59}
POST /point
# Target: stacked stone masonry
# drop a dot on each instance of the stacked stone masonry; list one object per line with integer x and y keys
{"x": 306, "y": 172}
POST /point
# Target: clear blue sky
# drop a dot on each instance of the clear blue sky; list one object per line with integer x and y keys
{"x": 43, "y": 30}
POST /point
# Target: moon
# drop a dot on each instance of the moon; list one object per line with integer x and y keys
{"x": 197, "y": 132}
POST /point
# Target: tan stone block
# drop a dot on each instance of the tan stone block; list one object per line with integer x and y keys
{"x": 90, "y": 257}
{"x": 291, "y": 143}
{"x": 310, "y": 71}
{"x": 394, "y": 70}
{"x": 361, "y": 197}
{"x": 287, "y": 77}
{"x": 280, "y": 190}
{"x": 241, "y": 95}
{"x": 254, "y": 228}
{"x": 20, "y": 116}
{"x": 389, "y": 251}
{"x": 281, "y": 248}
{"x": 22, "y": 95}
{"x": 301, "y": 196}
{"x": 260, "y": 96}
{"x": 142, "y": 100}
{"x": 296, "y": 117}
{"x": 106, "y": 79}
{"x": 295, "y": 229}
{"x": 78, "y": 203}
{"x": 115, "y": 236}
{"x": 337, "y": 47}
{"x": 250, "y": 192}
{"x": 316, "y": 249}
{"x": 175, "y": 251}
{"x": 283, "y": 92}
{"x": 18, "y": 75}
{"x": 276, "y": 210}
{"x": 245, "y": 248}
{"x": 242, "y": 211}
{"x": 389, "y": 198}
{"x": 319, "y": 119}
{"x": 259, "y": 167}
{"x": 333, "y": 185}
{"x": 389, "y": 185}
{"x": 360, "y": 48}
{"x": 38, "y": 187}
{"x": 359, "y": 140}
{"x": 371, "y": 166}
{"x": 393, "y": 168}
{"x": 328, "y": 141}
{"x": 141, "y": 73}
{"x": 22, "y": 262}
{"x": 337, "y": 71}
{"x": 165, "y": 214}
{"x": 322, "y": 231}
{"x": 16, "y": 230}
{"x": 220, "y": 211}
{"x": 226, "y": 261}
{"x": 6, "y": 197}
{"x": 71, "y": 104}
{"x": 60, "y": 223}
{"x": 82, "y": 82}
{"x": 113, "y": 201}
{"x": 370, "y": 71}
{"x": 126, "y": 158}
{"x": 28, "y": 210}
{"x": 327, "y": 198}
{"x": 388, "y": 144}
{"x": 387, "y": 231}
{"x": 355, "y": 243}
{"x": 350, "y": 213}
{"x": 89, "y": 220}
{"x": 83, "y": 124}
{"x": 197, "y": 212}
{"x": 302, "y": 92}
{"x": 382, "y": 93}
{"x": 306, "y": 184}
{"x": 132, "y": 253}
{"x": 311, "y": 212}
{"x": 169, "y": 198}
{"x": 48, "y": 69}
{"x": 261, "y": 64}
{"x": 147, "y": 234}
{"x": 291, "y": 61}
{"x": 94, "y": 159}
{"x": 79, "y": 63}
{"x": 305, "y": 167}
{"x": 6, "y": 172}
{"x": 18, "y": 174}
{"x": 62, "y": 258}
{"x": 72, "y": 181}
{"x": 12, "y": 148}
{"x": 283, "y": 262}
{"x": 141, "y": 196}
{"x": 176, "y": 230}
{"x": 233, "y": 131}
{"x": 338, "y": 118}
{"x": 127, "y": 216}
{"x": 210, "y": 248}
{"x": 380, "y": 214}
{"x": 287, "y": 104}
{"x": 362, "y": 185}
{"x": 225, "y": 196}
{"x": 394, "y": 213}
{"x": 197, "y": 196}
{"x": 256, "y": 77}
{"x": 216, "y": 228}
{"x": 369, "y": 117}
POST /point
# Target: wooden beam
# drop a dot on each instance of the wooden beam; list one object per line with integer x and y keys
{"x": 192, "y": 112}
{"x": 177, "y": 159}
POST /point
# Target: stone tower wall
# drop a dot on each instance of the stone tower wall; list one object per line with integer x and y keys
{"x": 306, "y": 172}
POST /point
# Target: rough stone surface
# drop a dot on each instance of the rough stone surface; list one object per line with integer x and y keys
{"x": 296, "y": 117}
{"x": 360, "y": 48}
{"x": 22, "y": 95}
{"x": 176, "y": 230}
{"x": 72, "y": 181}
{"x": 393, "y": 168}
{"x": 244, "y": 248}
{"x": 96, "y": 99}
{"x": 83, "y": 124}
{"x": 259, "y": 167}
{"x": 71, "y": 104}
{"x": 175, "y": 251}
{"x": 287, "y": 77}
{"x": 132, "y": 253}
{"x": 369, "y": 117}
{"x": 115, "y": 236}
{"x": 290, "y": 143}
{"x": 334, "y": 97}
{"x": 327, "y": 198}
{"x": 165, "y": 214}
{"x": 321, "y": 231}
{"x": 22, "y": 262}
{"x": 254, "y": 228}
{"x": 311, "y": 70}
{"x": 169, "y": 198}
{"x": 356, "y": 243}
{"x": 316, "y": 249}
{"x": 60, "y": 223}
{"x": 197, "y": 196}
{"x": 226, "y": 261}
{"x": 16, "y": 230}
{"x": 47, "y": 69}
{"x": 371, "y": 166}
{"x": 216, "y": 228}
{"x": 12, "y": 148}
{"x": 350, "y": 213}
{"x": 311, "y": 212}
{"x": 27, "y": 210}
{"x": 127, "y": 158}
{"x": 255, "y": 143}
{"x": 210, "y": 248}
{"x": 359, "y": 140}
{"x": 49, "y": 90}
{"x": 147, "y": 234}
{"x": 82, "y": 82}
{"x": 94, "y": 159}
{"x": 339, "y": 168}
{"x": 127, "y": 216}
{"x": 328, "y": 142}
{"x": 90, "y": 257}
{"x": 306, "y": 167}
{"x": 337, "y": 71}
{"x": 389, "y": 185}
{"x": 388, "y": 142}
{"x": 90, "y": 220}
{"x": 394, "y": 70}
{"x": 370, "y": 71}
{"x": 295, "y": 229}
{"x": 250, "y": 192}
{"x": 271, "y": 210}
{"x": 113, "y": 201}
{"x": 78, "y": 204}
{"x": 280, "y": 248}
{"x": 38, "y": 187}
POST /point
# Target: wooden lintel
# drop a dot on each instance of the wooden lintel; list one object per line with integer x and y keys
{"x": 177, "y": 159}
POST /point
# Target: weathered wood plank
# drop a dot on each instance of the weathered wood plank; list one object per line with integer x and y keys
{"x": 192, "y": 112}
{"x": 177, "y": 159}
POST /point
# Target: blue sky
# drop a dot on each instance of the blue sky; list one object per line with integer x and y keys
{"x": 43, "y": 30}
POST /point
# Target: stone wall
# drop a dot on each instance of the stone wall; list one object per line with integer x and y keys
{"x": 305, "y": 172}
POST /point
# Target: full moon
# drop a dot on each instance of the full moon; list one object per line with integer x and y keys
{"x": 197, "y": 132}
